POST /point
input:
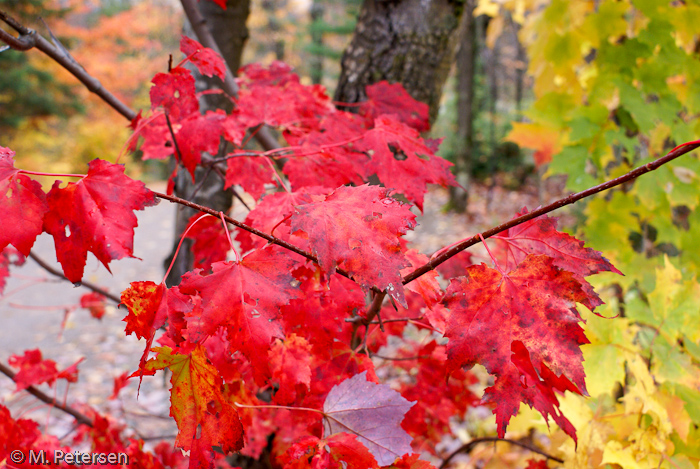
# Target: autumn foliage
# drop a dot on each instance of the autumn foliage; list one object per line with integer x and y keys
{"x": 271, "y": 349}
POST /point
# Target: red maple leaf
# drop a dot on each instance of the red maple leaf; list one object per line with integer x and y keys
{"x": 273, "y": 212}
{"x": 427, "y": 285}
{"x": 207, "y": 61}
{"x": 199, "y": 133}
{"x": 95, "y": 303}
{"x": 33, "y": 370}
{"x": 455, "y": 265}
{"x": 322, "y": 158}
{"x": 157, "y": 139}
{"x": 372, "y": 412}
{"x": 120, "y": 382}
{"x": 175, "y": 91}
{"x": 540, "y": 236}
{"x": 320, "y": 314}
{"x": 95, "y": 214}
{"x": 255, "y": 74}
{"x": 493, "y": 312}
{"x": 245, "y": 298}
{"x": 402, "y": 161}
{"x": 22, "y": 204}
{"x": 211, "y": 242}
{"x": 205, "y": 418}
{"x": 338, "y": 451}
{"x": 358, "y": 229}
{"x": 385, "y": 98}
{"x": 148, "y": 310}
{"x": 250, "y": 172}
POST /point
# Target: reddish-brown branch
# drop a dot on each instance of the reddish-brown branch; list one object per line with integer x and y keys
{"x": 79, "y": 417}
{"x": 468, "y": 447}
{"x": 461, "y": 246}
{"x": 88, "y": 285}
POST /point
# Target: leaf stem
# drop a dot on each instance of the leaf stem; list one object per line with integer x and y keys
{"x": 179, "y": 245}
{"x": 493, "y": 258}
{"x": 283, "y": 407}
{"x": 35, "y": 173}
{"x": 228, "y": 235}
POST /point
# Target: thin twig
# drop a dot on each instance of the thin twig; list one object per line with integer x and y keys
{"x": 420, "y": 357}
{"x": 172, "y": 134}
{"x": 88, "y": 285}
{"x": 468, "y": 447}
{"x": 78, "y": 416}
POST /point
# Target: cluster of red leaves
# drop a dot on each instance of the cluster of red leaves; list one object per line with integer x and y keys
{"x": 273, "y": 327}
{"x": 95, "y": 214}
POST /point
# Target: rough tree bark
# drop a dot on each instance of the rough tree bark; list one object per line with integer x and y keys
{"x": 466, "y": 74}
{"x": 411, "y": 42}
{"x": 229, "y": 29}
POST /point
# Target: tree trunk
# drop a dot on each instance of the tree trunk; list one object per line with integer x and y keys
{"x": 229, "y": 29}
{"x": 466, "y": 74}
{"x": 316, "y": 62}
{"x": 410, "y": 42}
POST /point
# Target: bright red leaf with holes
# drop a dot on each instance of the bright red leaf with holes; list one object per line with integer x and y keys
{"x": 524, "y": 328}
{"x": 358, "y": 229}
{"x": 95, "y": 214}
{"x": 175, "y": 92}
{"x": 22, "y": 204}
{"x": 402, "y": 160}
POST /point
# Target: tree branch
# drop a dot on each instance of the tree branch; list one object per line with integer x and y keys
{"x": 88, "y": 285}
{"x": 468, "y": 447}
{"x": 459, "y": 247}
{"x": 67, "y": 62}
{"x": 79, "y": 417}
